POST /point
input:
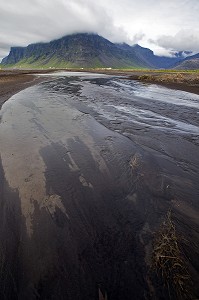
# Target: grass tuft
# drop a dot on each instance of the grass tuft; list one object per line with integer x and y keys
{"x": 169, "y": 263}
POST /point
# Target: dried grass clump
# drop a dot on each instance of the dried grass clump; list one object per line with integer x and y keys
{"x": 135, "y": 161}
{"x": 169, "y": 263}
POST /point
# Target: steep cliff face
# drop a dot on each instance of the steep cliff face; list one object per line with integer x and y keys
{"x": 15, "y": 55}
{"x": 85, "y": 50}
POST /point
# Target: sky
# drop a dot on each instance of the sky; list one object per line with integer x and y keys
{"x": 165, "y": 26}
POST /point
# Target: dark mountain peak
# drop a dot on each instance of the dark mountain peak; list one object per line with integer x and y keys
{"x": 16, "y": 54}
{"x": 139, "y": 48}
{"x": 123, "y": 46}
{"x": 88, "y": 37}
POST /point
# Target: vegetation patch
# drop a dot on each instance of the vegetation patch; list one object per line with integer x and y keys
{"x": 168, "y": 262}
{"x": 171, "y": 77}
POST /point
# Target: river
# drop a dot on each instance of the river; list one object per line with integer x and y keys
{"x": 90, "y": 166}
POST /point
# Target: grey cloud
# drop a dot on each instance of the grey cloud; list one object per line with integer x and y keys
{"x": 28, "y": 21}
{"x": 23, "y": 22}
{"x": 184, "y": 40}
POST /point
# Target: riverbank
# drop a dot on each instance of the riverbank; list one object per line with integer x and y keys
{"x": 185, "y": 81}
{"x": 13, "y": 81}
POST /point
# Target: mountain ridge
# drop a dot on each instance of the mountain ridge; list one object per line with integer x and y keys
{"x": 85, "y": 50}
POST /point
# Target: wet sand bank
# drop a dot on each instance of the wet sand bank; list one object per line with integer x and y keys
{"x": 13, "y": 81}
{"x": 84, "y": 189}
{"x": 76, "y": 231}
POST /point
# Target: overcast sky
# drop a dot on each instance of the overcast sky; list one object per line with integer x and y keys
{"x": 162, "y": 25}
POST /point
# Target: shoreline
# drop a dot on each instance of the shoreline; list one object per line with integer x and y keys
{"x": 188, "y": 82}
{"x": 178, "y": 80}
{"x": 13, "y": 81}
{"x": 14, "y": 84}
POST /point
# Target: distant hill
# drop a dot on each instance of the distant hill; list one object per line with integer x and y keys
{"x": 85, "y": 51}
{"x": 189, "y": 63}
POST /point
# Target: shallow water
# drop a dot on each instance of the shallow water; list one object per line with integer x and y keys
{"x": 90, "y": 165}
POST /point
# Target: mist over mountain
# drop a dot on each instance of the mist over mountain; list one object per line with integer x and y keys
{"x": 85, "y": 50}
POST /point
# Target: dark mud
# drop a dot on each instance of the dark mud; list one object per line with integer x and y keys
{"x": 87, "y": 198}
{"x": 13, "y": 82}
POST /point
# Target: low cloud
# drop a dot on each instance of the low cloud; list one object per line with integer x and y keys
{"x": 184, "y": 40}
{"x": 30, "y": 21}
{"x": 23, "y": 22}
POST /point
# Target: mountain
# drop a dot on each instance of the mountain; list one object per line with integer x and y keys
{"x": 86, "y": 51}
{"x": 150, "y": 59}
{"x": 79, "y": 50}
{"x": 189, "y": 63}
